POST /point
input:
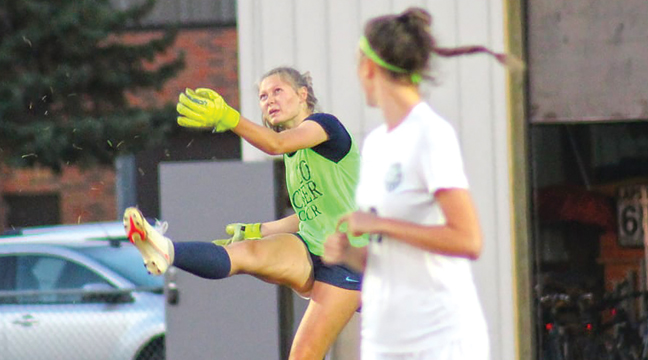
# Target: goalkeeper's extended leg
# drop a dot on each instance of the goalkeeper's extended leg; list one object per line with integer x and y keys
{"x": 202, "y": 259}
{"x": 156, "y": 249}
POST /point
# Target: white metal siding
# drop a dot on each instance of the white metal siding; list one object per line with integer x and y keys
{"x": 321, "y": 36}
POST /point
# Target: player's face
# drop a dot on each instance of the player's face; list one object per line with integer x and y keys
{"x": 280, "y": 102}
{"x": 365, "y": 77}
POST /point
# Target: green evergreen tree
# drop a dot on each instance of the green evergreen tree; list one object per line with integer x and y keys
{"x": 64, "y": 75}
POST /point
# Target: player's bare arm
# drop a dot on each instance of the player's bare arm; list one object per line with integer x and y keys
{"x": 338, "y": 250}
{"x": 288, "y": 224}
{"x": 460, "y": 236}
{"x": 304, "y": 136}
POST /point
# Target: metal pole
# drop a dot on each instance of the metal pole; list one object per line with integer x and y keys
{"x": 643, "y": 200}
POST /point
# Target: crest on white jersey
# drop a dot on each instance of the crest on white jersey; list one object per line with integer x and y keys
{"x": 393, "y": 177}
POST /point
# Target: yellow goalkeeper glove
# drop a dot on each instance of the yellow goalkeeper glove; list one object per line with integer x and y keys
{"x": 240, "y": 232}
{"x": 205, "y": 108}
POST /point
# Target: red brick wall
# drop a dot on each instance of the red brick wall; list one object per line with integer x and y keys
{"x": 85, "y": 195}
{"x": 618, "y": 261}
{"x": 211, "y": 58}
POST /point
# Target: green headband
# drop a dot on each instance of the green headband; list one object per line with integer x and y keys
{"x": 371, "y": 54}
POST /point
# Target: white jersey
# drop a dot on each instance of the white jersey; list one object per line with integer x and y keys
{"x": 413, "y": 299}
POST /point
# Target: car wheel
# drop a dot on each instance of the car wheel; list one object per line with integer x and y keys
{"x": 155, "y": 350}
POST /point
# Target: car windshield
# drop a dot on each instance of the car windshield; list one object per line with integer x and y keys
{"x": 126, "y": 261}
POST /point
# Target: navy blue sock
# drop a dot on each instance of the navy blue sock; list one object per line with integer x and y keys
{"x": 202, "y": 259}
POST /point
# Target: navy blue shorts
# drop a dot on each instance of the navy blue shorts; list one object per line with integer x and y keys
{"x": 336, "y": 275}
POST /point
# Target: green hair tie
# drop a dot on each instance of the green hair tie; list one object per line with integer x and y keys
{"x": 371, "y": 54}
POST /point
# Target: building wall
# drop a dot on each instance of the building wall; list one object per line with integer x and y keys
{"x": 87, "y": 196}
{"x": 321, "y": 36}
{"x": 84, "y": 195}
{"x": 211, "y": 60}
{"x": 584, "y": 61}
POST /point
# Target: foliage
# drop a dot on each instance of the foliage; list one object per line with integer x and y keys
{"x": 65, "y": 74}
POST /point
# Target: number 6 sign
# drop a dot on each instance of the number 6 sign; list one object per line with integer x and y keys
{"x": 632, "y": 202}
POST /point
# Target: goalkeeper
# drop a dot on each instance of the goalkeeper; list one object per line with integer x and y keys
{"x": 322, "y": 166}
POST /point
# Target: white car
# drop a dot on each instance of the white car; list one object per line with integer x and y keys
{"x": 78, "y": 292}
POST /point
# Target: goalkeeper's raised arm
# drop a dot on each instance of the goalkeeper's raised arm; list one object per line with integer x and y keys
{"x": 285, "y": 132}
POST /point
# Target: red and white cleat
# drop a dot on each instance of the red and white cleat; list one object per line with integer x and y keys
{"x": 156, "y": 249}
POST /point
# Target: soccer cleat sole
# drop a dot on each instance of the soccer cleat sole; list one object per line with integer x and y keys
{"x": 155, "y": 261}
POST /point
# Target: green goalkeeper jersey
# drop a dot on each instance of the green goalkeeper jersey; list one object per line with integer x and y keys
{"x": 321, "y": 183}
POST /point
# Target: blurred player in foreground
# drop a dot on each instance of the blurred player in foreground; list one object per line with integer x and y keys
{"x": 322, "y": 165}
{"x": 418, "y": 296}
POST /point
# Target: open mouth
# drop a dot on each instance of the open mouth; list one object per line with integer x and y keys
{"x": 273, "y": 112}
